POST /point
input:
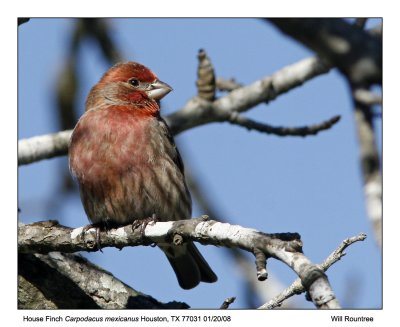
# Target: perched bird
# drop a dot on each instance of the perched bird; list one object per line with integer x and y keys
{"x": 128, "y": 168}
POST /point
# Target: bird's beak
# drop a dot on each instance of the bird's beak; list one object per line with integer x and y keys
{"x": 158, "y": 90}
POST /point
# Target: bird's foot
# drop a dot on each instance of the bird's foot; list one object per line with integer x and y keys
{"x": 98, "y": 227}
{"x": 142, "y": 223}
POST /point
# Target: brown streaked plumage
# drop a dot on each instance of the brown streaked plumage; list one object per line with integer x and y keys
{"x": 127, "y": 165}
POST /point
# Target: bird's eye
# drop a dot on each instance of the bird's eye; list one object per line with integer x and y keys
{"x": 134, "y": 82}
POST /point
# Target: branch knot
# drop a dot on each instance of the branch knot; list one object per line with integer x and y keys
{"x": 310, "y": 274}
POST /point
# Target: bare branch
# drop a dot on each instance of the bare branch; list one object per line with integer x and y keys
{"x": 227, "y": 302}
{"x": 43, "y": 147}
{"x": 99, "y": 29}
{"x": 297, "y": 287}
{"x": 336, "y": 255}
{"x": 370, "y": 161}
{"x": 250, "y": 124}
{"x": 356, "y": 53}
{"x": 44, "y": 237}
{"x": 83, "y": 284}
{"x": 22, "y": 20}
{"x": 197, "y": 111}
{"x": 367, "y": 98}
{"x": 227, "y": 84}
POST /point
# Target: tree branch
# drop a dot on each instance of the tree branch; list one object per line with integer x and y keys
{"x": 356, "y": 53}
{"x": 298, "y": 288}
{"x": 44, "y": 237}
{"x": 83, "y": 284}
{"x": 369, "y": 160}
{"x": 363, "y": 100}
{"x": 43, "y": 147}
{"x": 197, "y": 111}
{"x": 227, "y": 302}
{"x": 22, "y": 20}
{"x": 227, "y": 84}
{"x": 366, "y": 97}
{"x": 250, "y": 124}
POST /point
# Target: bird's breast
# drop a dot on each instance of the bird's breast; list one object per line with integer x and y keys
{"x": 110, "y": 140}
{"x": 125, "y": 168}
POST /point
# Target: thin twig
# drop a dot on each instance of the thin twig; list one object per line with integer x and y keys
{"x": 227, "y": 84}
{"x": 227, "y": 302}
{"x": 336, "y": 255}
{"x": 298, "y": 288}
{"x": 99, "y": 30}
{"x": 250, "y": 124}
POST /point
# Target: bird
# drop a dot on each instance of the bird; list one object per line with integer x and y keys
{"x": 128, "y": 168}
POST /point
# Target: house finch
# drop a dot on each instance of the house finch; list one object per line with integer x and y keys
{"x": 127, "y": 165}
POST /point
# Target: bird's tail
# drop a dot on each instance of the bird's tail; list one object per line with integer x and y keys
{"x": 189, "y": 265}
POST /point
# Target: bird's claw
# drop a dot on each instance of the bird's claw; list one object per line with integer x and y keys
{"x": 142, "y": 223}
{"x": 97, "y": 227}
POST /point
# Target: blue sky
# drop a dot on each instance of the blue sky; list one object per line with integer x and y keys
{"x": 309, "y": 185}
